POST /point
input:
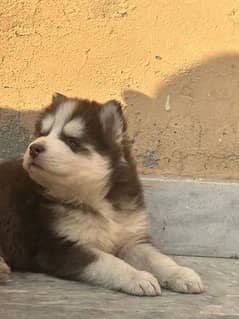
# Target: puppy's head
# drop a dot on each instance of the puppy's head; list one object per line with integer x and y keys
{"x": 77, "y": 143}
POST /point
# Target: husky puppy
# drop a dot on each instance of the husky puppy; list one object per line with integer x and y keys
{"x": 74, "y": 207}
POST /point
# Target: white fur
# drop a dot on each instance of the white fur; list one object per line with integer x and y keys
{"x": 185, "y": 280}
{"x": 86, "y": 228}
{"x": 47, "y": 123}
{"x": 107, "y": 230}
{"x": 63, "y": 114}
{"x": 67, "y": 175}
{"x": 112, "y": 272}
{"x": 55, "y": 123}
{"x": 74, "y": 128}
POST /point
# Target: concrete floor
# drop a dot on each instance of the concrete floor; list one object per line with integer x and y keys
{"x": 40, "y": 297}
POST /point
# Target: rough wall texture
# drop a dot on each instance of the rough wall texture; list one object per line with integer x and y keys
{"x": 175, "y": 64}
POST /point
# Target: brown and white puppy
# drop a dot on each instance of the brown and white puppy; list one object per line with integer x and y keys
{"x": 76, "y": 210}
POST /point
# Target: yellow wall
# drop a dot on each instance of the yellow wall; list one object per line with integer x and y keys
{"x": 175, "y": 63}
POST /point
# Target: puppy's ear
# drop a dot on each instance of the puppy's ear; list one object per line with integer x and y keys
{"x": 58, "y": 97}
{"x": 113, "y": 121}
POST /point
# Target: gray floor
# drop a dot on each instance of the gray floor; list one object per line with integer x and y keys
{"x": 37, "y": 296}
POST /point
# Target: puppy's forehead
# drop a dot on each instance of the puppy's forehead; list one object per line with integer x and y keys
{"x": 62, "y": 120}
{"x": 62, "y": 116}
{"x": 47, "y": 123}
{"x": 74, "y": 127}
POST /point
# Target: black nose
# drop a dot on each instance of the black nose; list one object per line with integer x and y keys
{"x": 36, "y": 149}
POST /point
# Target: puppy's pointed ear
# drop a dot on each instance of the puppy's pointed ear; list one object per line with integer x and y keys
{"x": 58, "y": 97}
{"x": 113, "y": 121}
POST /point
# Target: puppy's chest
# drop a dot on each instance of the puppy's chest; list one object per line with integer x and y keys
{"x": 107, "y": 231}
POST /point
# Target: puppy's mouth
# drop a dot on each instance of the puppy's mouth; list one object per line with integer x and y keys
{"x": 34, "y": 164}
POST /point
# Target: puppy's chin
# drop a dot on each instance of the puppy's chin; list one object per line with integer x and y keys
{"x": 30, "y": 165}
{"x": 69, "y": 185}
{"x": 37, "y": 171}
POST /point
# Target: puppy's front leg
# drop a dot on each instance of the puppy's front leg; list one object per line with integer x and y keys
{"x": 166, "y": 270}
{"x": 100, "y": 268}
{"x": 112, "y": 272}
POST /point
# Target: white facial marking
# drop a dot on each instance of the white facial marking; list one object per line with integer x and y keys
{"x": 63, "y": 114}
{"x": 74, "y": 128}
{"x": 47, "y": 123}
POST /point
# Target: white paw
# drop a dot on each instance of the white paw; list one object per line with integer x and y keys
{"x": 185, "y": 280}
{"x": 143, "y": 283}
{"x": 4, "y": 271}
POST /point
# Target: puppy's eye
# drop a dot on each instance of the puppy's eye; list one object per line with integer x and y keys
{"x": 73, "y": 143}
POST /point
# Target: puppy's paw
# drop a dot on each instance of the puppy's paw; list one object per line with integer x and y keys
{"x": 185, "y": 280}
{"x": 4, "y": 271}
{"x": 143, "y": 284}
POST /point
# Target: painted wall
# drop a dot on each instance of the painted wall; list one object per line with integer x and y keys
{"x": 173, "y": 63}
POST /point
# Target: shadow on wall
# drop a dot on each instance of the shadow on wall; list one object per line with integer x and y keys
{"x": 191, "y": 126}
{"x": 15, "y": 131}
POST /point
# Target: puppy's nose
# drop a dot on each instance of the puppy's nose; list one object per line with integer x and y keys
{"x": 36, "y": 149}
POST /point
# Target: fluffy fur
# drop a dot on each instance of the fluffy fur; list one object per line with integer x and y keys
{"x": 74, "y": 208}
